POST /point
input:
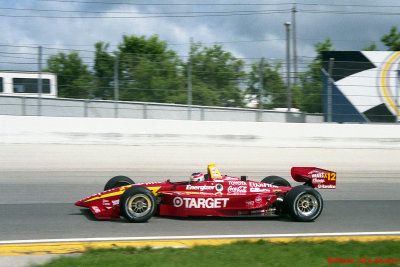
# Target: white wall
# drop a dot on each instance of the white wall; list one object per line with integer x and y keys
{"x": 68, "y": 130}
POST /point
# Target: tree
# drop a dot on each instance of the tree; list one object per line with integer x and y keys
{"x": 308, "y": 96}
{"x": 392, "y": 40}
{"x": 216, "y": 75}
{"x": 73, "y": 78}
{"x": 149, "y": 71}
{"x": 103, "y": 72}
{"x": 274, "y": 89}
{"x": 371, "y": 47}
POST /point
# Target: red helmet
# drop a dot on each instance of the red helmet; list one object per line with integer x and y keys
{"x": 197, "y": 177}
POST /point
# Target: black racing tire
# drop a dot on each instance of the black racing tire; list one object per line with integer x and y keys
{"x": 118, "y": 181}
{"x": 275, "y": 180}
{"x": 303, "y": 203}
{"x": 137, "y": 204}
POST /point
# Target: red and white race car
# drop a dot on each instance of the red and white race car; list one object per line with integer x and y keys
{"x": 217, "y": 195}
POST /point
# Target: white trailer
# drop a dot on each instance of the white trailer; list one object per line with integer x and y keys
{"x": 26, "y": 83}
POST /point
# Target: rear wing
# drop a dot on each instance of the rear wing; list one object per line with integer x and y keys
{"x": 319, "y": 178}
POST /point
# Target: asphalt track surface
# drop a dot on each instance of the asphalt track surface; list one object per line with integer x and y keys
{"x": 40, "y": 183}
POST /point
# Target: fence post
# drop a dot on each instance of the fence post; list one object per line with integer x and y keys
{"x": 330, "y": 69}
{"x": 202, "y": 115}
{"x": 40, "y": 84}
{"x": 288, "y": 89}
{"x": 189, "y": 87}
{"x": 116, "y": 87}
{"x": 23, "y": 106}
{"x": 144, "y": 111}
{"x": 260, "y": 90}
{"x": 85, "y": 108}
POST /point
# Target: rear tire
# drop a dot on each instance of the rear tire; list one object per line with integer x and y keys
{"x": 137, "y": 204}
{"x": 275, "y": 180}
{"x": 303, "y": 203}
{"x": 118, "y": 181}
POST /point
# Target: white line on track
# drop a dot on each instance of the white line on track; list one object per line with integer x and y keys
{"x": 143, "y": 238}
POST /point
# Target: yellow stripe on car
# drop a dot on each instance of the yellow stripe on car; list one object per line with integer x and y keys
{"x": 153, "y": 189}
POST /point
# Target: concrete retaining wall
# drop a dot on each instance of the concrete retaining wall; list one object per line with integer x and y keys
{"x": 69, "y": 130}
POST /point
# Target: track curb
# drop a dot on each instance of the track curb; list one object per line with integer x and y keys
{"x": 50, "y": 248}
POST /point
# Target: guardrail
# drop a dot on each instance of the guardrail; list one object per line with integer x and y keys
{"x": 63, "y": 107}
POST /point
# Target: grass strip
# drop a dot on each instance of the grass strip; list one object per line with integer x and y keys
{"x": 243, "y": 253}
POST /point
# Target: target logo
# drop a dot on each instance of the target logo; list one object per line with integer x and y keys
{"x": 200, "y": 203}
{"x": 177, "y": 202}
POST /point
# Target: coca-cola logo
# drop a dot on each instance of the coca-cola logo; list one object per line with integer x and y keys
{"x": 237, "y": 189}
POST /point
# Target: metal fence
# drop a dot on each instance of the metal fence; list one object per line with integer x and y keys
{"x": 62, "y": 107}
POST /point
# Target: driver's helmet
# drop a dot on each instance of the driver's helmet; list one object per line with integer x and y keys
{"x": 197, "y": 177}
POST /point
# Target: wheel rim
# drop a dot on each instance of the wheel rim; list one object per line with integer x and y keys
{"x": 307, "y": 205}
{"x": 139, "y": 205}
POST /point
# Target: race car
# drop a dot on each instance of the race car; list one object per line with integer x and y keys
{"x": 213, "y": 194}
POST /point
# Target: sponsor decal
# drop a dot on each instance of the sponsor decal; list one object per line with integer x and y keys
{"x": 317, "y": 175}
{"x": 96, "y": 209}
{"x": 258, "y": 199}
{"x": 261, "y": 185}
{"x": 230, "y": 178}
{"x": 237, "y": 189}
{"x": 249, "y": 203}
{"x": 200, "y": 203}
{"x": 318, "y": 181}
{"x": 259, "y": 190}
{"x": 237, "y": 183}
{"x": 115, "y": 202}
{"x": 178, "y": 202}
{"x": 330, "y": 176}
{"x": 219, "y": 187}
{"x": 215, "y": 173}
{"x": 324, "y": 186}
{"x": 313, "y": 172}
{"x": 106, "y": 203}
{"x": 200, "y": 187}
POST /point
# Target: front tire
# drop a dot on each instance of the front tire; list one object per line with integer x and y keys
{"x": 137, "y": 204}
{"x": 275, "y": 180}
{"x": 118, "y": 181}
{"x": 303, "y": 203}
